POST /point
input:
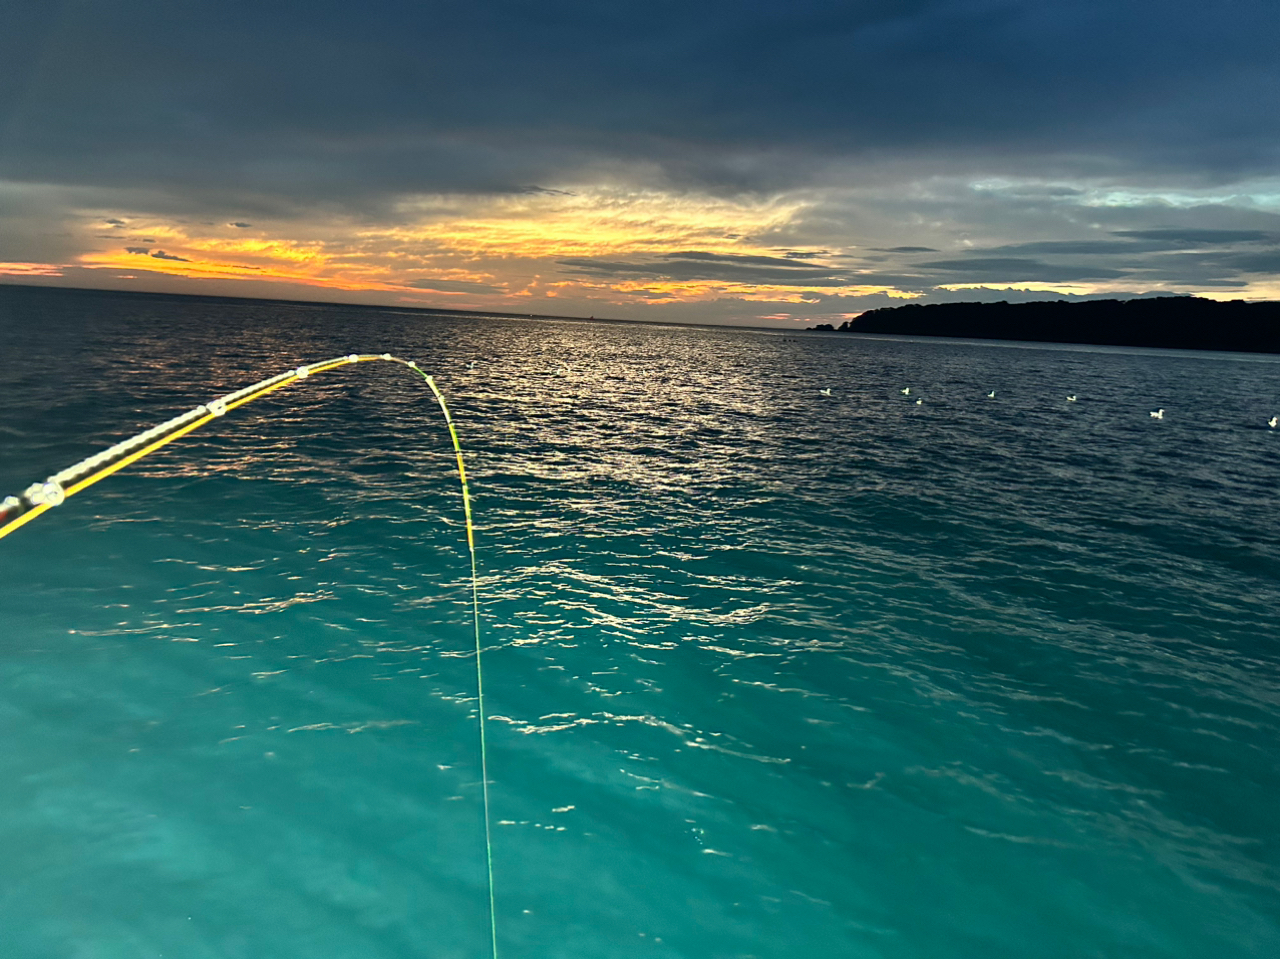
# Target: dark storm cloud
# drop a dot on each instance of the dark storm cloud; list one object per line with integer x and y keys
{"x": 1140, "y": 242}
{"x": 1181, "y": 256}
{"x": 1211, "y": 268}
{"x": 1184, "y": 238}
{"x": 1169, "y": 256}
{"x": 162, "y": 255}
{"x": 281, "y": 103}
{"x": 242, "y": 226}
{"x": 993, "y": 269}
{"x": 740, "y": 259}
{"x": 1265, "y": 262}
{"x": 1084, "y": 247}
{"x": 141, "y": 250}
{"x": 759, "y": 270}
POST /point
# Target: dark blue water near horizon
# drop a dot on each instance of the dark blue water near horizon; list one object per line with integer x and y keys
{"x": 769, "y": 673}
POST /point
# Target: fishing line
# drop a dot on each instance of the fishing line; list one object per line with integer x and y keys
{"x": 38, "y": 498}
{"x": 475, "y": 618}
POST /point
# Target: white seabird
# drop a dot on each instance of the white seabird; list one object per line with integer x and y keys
{"x": 1071, "y": 398}
{"x": 826, "y": 392}
{"x": 1274, "y": 422}
{"x": 905, "y": 391}
{"x": 991, "y": 395}
{"x": 1157, "y": 414}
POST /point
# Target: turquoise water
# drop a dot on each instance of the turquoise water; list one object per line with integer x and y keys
{"x": 769, "y": 673}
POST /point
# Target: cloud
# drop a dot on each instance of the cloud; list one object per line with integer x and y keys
{"x": 232, "y": 99}
{"x": 142, "y": 250}
{"x": 1192, "y": 237}
{"x": 1262, "y": 262}
{"x": 693, "y": 265}
{"x": 1013, "y": 270}
{"x": 650, "y": 294}
{"x": 739, "y": 259}
{"x": 546, "y": 191}
{"x": 453, "y": 286}
{"x": 1201, "y": 257}
{"x": 1099, "y": 247}
{"x": 659, "y": 151}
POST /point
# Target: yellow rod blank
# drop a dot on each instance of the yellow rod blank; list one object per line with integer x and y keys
{"x": 212, "y": 410}
{"x": 217, "y": 408}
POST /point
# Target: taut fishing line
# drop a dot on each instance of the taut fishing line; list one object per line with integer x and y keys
{"x": 17, "y": 511}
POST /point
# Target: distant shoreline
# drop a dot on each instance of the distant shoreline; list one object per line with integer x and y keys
{"x": 241, "y": 300}
{"x": 1165, "y": 322}
{"x": 394, "y": 308}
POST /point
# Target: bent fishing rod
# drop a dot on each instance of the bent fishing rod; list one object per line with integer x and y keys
{"x": 40, "y": 497}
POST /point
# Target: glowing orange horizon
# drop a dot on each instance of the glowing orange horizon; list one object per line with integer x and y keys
{"x": 498, "y": 252}
{"x": 30, "y": 269}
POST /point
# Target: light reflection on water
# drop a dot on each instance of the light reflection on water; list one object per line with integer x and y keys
{"x": 770, "y": 673}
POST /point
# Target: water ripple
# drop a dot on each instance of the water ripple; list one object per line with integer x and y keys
{"x": 851, "y": 675}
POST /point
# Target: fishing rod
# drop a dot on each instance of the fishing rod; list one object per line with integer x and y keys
{"x": 40, "y": 497}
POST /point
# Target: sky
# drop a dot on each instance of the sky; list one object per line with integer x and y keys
{"x": 706, "y": 161}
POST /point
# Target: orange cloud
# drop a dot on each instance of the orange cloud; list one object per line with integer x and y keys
{"x": 275, "y": 260}
{"x": 588, "y": 222}
{"x": 30, "y": 269}
{"x": 483, "y": 252}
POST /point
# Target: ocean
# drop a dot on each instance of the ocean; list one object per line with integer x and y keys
{"x": 768, "y": 672}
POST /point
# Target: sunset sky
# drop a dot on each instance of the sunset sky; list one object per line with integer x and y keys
{"x": 709, "y": 162}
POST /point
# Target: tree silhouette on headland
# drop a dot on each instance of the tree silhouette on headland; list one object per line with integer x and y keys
{"x": 1172, "y": 322}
